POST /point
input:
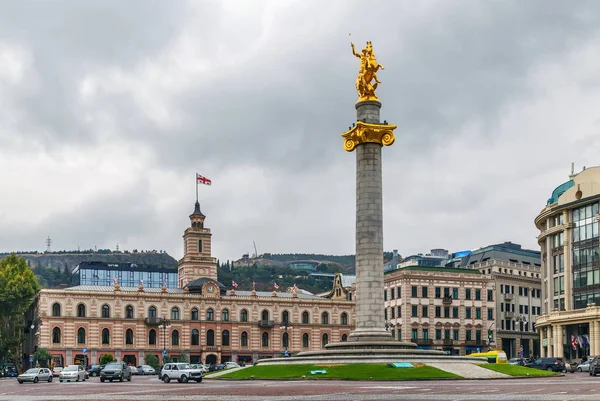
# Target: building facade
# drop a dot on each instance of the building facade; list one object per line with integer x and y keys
{"x": 126, "y": 274}
{"x": 568, "y": 225}
{"x": 449, "y": 309}
{"x": 201, "y": 317}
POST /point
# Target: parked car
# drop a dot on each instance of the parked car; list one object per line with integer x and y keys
{"x": 517, "y": 361}
{"x": 231, "y": 365}
{"x": 95, "y": 370}
{"x": 56, "y": 371}
{"x": 72, "y": 373}
{"x": 146, "y": 370}
{"x": 11, "y": 372}
{"x": 35, "y": 375}
{"x": 182, "y": 372}
{"x": 115, "y": 371}
{"x": 133, "y": 369}
{"x": 595, "y": 366}
{"x": 571, "y": 366}
{"x": 584, "y": 366}
{"x": 549, "y": 364}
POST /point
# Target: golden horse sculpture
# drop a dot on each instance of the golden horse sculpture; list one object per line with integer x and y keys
{"x": 367, "y": 73}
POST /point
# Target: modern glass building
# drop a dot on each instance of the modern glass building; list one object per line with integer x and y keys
{"x": 127, "y": 274}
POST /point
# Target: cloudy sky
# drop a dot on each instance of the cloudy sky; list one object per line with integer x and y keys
{"x": 109, "y": 108}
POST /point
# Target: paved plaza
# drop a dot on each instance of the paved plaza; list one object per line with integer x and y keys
{"x": 570, "y": 387}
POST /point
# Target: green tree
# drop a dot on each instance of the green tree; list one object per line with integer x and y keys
{"x": 183, "y": 357}
{"x": 151, "y": 360}
{"x": 42, "y": 356}
{"x": 106, "y": 358}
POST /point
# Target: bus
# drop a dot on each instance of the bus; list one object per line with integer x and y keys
{"x": 492, "y": 356}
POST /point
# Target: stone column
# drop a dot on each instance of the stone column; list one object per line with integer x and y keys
{"x": 542, "y": 337}
{"x": 592, "y": 330}
{"x": 559, "y": 351}
{"x": 370, "y": 324}
{"x": 597, "y": 336}
{"x": 554, "y": 340}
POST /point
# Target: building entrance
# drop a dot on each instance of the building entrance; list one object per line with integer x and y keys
{"x": 211, "y": 359}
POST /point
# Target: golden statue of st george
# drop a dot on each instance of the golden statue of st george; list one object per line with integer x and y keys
{"x": 367, "y": 73}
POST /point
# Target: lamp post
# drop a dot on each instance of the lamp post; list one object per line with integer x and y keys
{"x": 286, "y": 325}
{"x": 521, "y": 320}
{"x": 35, "y": 340}
{"x": 165, "y": 324}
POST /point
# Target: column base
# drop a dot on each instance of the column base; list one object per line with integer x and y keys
{"x": 370, "y": 335}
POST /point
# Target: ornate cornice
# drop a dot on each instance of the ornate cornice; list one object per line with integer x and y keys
{"x": 362, "y": 132}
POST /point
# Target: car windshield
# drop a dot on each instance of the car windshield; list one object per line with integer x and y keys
{"x": 70, "y": 368}
{"x": 31, "y": 371}
{"x": 113, "y": 366}
{"x": 183, "y": 366}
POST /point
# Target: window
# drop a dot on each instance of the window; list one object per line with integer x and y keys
{"x": 455, "y": 335}
{"x": 195, "y": 337}
{"x": 399, "y": 312}
{"x": 425, "y": 334}
{"x": 305, "y": 342}
{"x": 175, "y": 337}
{"x": 424, "y": 292}
{"x": 468, "y": 312}
{"x": 425, "y": 311}
{"x": 393, "y": 310}
{"x": 56, "y": 309}
{"x": 200, "y": 247}
{"x": 210, "y": 338}
{"x": 467, "y": 293}
{"x": 285, "y": 317}
{"x": 265, "y": 315}
{"x": 446, "y": 311}
{"x": 244, "y": 315}
{"x": 520, "y": 291}
{"x": 152, "y": 337}
{"x": 414, "y": 312}
{"x": 344, "y": 319}
{"x": 105, "y": 311}
{"x": 438, "y": 292}
{"x": 490, "y": 314}
{"x": 477, "y": 294}
{"x": 105, "y": 336}
{"x": 438, "y": 311}
{"x": 469, "y": 335}
{"x": 81, "y": 310}
{"x": 455, "y": 293}
{"x": 414, "y": 334}
{"x": 385, "y": 295}
{"x": 478, "y": 336}
{"x": 438, "y": 334}
{"x": 265, "y": 339}
{"x": 285, "y": 340}
{"x": 385, "y": 317}
{"x": 225, "y": 338}
{"x": 490, "y": 295}
{"x": 129, "y": 312}
{"x": 81, "y": 336}
{"x": 175, "y": 313}
{"x": 129, "y": 337}
{"x": 56, "y": 335}
{"x": 305, "y": 317}
{"x": 392, "y": 293}
{"x": 413, "y": 292}
{"x": 244, "y": 339}
{"x": 344, "y": 338}
{"x": 325, "y": 318}
{"x": 455, "y": 312}
{"x": 324, "y": 340}
{"x": 194, "y": 313}
{"x": 225, "y": 315}
{"x": 210, "y": 314}
{"x": 399, "y": 292}
{"x": 477, "y": 313}
{"x": 152, "y": 311}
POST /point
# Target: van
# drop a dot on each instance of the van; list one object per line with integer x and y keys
{"x": 498, "y": 356}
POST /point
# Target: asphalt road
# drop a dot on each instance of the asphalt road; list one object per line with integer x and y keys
{"x": 578, "y": 386}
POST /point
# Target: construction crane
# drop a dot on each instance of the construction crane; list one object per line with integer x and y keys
{"x": 255, "y": 251}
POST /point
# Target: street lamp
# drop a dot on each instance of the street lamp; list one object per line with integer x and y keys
{"x": 35, "y": 341}
{"x": 165, "y": 324}
{"x": 286, "y": 325}
{"x": 521, "y": 320}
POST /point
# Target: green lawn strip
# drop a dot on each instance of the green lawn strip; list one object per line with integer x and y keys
{"x": 347, "y": 372}
{"x": 516, "y": 370}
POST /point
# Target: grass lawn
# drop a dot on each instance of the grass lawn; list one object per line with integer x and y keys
{"x": 346, "y": 372}
{"x": 516, "y": 370}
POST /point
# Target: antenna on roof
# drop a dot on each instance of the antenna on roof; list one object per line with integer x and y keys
{"x": 572, "y": 168}
{"x": 48, "y": 244}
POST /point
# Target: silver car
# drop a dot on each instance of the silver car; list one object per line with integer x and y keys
{"x": 182, "y": 372}
{"x": 35, "y": 375}
{"x": 584, "y": 366}
{"x": 72, "y": 373}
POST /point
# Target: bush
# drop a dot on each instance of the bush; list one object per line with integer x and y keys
{"x": 151, "y": 360}
{"x": 106, "y": 358}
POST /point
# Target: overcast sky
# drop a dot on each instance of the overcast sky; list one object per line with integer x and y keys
{"x": 109, "y": 108}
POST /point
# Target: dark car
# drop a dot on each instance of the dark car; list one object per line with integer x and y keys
{"x": 95, "y": 370}
{"x": 595, "y": 366}
{"x": 115, "y": 371}
{"x": 10, "y": 372}
{"x": 549, "y": 364}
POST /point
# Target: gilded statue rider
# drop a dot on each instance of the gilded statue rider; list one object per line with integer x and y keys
{"x": 367, "y": 73}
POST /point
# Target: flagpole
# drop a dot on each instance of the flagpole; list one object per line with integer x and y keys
{"x": 196, "y": 187}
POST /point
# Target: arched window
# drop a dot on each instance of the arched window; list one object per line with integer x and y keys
{"x": 324, "y": 340}
{"x": 81, "y": 336}
{"x": 129, "y": 312}
{"x": 105, "y": 336}
{"x": 244, "y": 315}
{"x": 81, "y": 310}
{"x": 344, "y": 319}
{"x": 305, "y": 317}
{"x": 195, "y": 337}
{"x": 285, "y": 317}
{"x": 175, "y": 313}
{"x": 225, "y": 315}
{"x": 244, "y": 339}
{"x": 285, "y": 341}
{"x": 56, "y": 335}
{"x": 265, "y": 339}
{"x": 129, "y": 336}
{"x": 324, "y": 318}
{"x": 152, "y": 311}
{"x": 56, "y": 309}
{"x": 265, "y": 315}
{"x": 210, "y": 338}
{"x": 225, "y": 338}
{"x": 194, "y": 313}
{"x": 174, "y": 337}
{"x": 210, "y": 314}
{"x": 152, "y": 337}
{"x": 105, "y": 311}
{"x": 344, "y": 338}
{"x": 305, "y": 342}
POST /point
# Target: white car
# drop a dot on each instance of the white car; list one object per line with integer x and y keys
{"x": 146, "y": 370}
{"x": 584, "y": 366}
{"x": 231, "y": 365}
{"x": 182, "y": 372}
{"x": 35, "y": 375}
{"x": 72, "y": 373}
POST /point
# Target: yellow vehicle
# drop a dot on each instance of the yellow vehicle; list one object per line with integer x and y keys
{"x": 492, "y": 356}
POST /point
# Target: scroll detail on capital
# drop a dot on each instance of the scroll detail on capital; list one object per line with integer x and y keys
{"x": 362, "y": 132}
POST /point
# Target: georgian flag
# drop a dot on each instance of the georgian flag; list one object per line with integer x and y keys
{"x": 275, "y": 285}
{"x": 573, "y": 342}
{"x": 203, "y": 180}
{"x": 141, "y": 281}
{"x": 115, "y": 281}
{"x": 234, "y": 284}
{"x": 294, "y": 288}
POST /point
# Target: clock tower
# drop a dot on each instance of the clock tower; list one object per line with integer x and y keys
{"x": 197, "y": 260}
